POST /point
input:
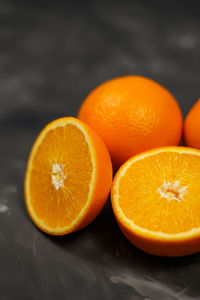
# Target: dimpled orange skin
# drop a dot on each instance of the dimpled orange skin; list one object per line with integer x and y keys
{"x": 192, "y": 127}
{"x": 132, "y": 114}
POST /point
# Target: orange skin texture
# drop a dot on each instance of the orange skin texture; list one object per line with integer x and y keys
{"x": 103, "y": 180}
{"x": 192, "y": 127}
{"x": 102, "y": 183}
{"x": 161, "y": 248}
{"x": 132, "y": 114}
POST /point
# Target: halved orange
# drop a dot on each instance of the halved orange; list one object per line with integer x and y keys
{"x": 68, "y": 177}
{"x": 156, "y": 201}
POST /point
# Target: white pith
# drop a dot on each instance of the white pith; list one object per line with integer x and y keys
{"x": 172, "y": 190}
{"x": 58, "y": 176}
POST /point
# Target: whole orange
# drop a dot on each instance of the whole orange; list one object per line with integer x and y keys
{"x": 192, "y": 127}
{"x": 132, "y": 114}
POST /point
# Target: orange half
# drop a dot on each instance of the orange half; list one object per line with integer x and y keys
{"x": 156, "y": 201}
{"x": 68, "y": 177}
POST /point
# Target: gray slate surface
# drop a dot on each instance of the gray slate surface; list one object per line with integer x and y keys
{"x": 52, "y": 53}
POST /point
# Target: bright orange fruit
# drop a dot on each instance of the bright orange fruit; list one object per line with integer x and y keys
{"x": 132, "y": 114}
{"x": 156, "y": 201}
{"x": 68, "y": 177}
{"x": 192, "y": 127}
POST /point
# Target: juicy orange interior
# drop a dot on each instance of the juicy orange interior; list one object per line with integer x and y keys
{"x": 162, "y": 192}
{"x": 60, "y": 176}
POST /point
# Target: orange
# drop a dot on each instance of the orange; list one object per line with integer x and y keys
{"x": 156, "y": 201}
{"x": 68, "y": 177}
{"x": 192, "y": 127}
{"x": 132, "y": 114}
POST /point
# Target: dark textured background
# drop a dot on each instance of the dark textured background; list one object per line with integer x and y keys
{"x": 52, "y": 53}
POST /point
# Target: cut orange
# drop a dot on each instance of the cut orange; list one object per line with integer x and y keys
{"x": 68, "y": 177}
{"x": 156, "y": 201}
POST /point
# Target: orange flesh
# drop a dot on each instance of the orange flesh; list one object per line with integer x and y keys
{"x": 162, "y": 192}
{"x": 60, "y": 177}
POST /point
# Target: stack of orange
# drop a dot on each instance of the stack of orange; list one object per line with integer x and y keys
{"x": 155, "y": 194}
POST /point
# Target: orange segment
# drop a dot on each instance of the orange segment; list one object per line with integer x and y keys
{"x": 156, "y": 200}
{"x": 63, "y": 184}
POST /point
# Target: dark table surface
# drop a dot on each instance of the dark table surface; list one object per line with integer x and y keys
{"x": 52, "y": 53}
